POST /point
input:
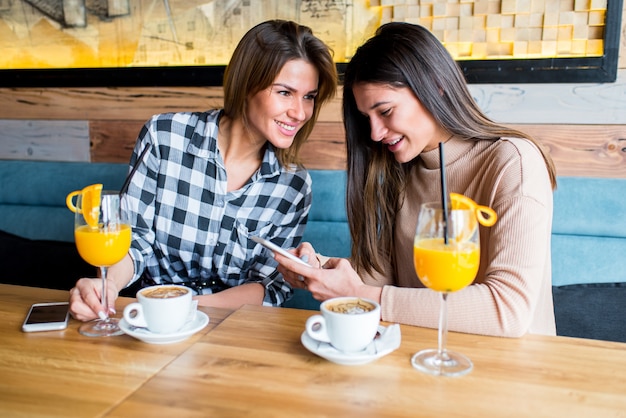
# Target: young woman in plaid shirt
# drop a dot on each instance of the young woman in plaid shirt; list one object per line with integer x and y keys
{"x": 211, "y": 180}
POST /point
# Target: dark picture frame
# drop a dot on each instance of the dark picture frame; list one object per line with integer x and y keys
{"x": 599, "y": 69}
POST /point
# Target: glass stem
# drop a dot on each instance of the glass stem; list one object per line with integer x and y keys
{"x": 104, "y": 301}
{"x": 443, "y": 327}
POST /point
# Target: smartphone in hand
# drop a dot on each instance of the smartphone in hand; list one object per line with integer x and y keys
{"x": 275, "y": 248}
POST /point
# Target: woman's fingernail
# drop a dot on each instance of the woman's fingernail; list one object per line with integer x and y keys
{"x": 102, "y": 315}
{"x": 112, "y": 311}
{"x": 305, "y": 258}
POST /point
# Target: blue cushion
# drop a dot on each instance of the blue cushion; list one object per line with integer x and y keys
{"x": 588, "y": 240}
{"x": 327, "y": 229}
{"x": 45, "y": 183}
{"x": 302, "y": 299}
{"x": 329, "y": 195}
{"x": 578, "y": 259}
{"x": 590, "y": 206}
{"x": 49, "y": 223}
{"x": 588, "y": 232}
{"x": 32, "y": 195}
{"x": 329, "y": 238}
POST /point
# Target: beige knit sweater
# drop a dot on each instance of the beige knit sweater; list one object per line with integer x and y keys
{"x": 512, "y": 292}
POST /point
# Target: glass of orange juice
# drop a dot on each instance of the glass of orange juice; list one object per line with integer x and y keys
{"x": 102, "y": 236}
{"x": 446, "y": 255}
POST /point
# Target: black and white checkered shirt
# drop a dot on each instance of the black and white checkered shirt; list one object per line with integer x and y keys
{"x": 186, "y": 226}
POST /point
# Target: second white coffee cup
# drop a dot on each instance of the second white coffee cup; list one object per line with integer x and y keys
{"x": 348, "y": 323}
{"x": 163, "y": 309}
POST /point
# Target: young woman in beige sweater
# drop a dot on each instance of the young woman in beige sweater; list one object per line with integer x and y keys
{"x": 403, "y": 94}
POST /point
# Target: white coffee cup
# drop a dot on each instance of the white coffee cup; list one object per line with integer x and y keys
{"x": 348, "y": 323}
{"x": 162, "y": 309}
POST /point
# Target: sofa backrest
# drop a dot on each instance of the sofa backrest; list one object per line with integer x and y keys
{"x": 32, "y": 201}
{"x": 588, "y": 244}
{"x": 327, "y": 227}
{"x": 32, "y": 195}
{"x": 588, "y": 231}
{"x": 589, "y": 226}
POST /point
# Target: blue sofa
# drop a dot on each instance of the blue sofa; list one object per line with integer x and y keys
{"x": 588, "y": 240}
{"x": 37, "y": 229}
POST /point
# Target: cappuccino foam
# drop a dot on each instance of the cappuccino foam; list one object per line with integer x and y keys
{"x": 350, "y": 307}
{"x": 165, "y": 292}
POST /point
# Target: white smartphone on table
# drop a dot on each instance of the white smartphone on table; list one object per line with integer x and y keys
{"x": 50, "y": 316}
{"x": 271, "y": 246}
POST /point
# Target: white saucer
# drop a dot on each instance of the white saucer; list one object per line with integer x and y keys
{"x": 373, "y": 351}
{"x": 200, "y": 321}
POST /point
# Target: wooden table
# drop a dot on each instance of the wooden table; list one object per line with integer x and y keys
{"x": 65, "y": 374}
{"x": 252, "y": 363}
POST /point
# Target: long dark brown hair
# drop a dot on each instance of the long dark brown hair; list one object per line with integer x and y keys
{"x": 402, "y": 55}
{"x": 258, "y": 59}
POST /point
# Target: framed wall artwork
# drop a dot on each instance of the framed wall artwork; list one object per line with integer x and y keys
{"x": 64, "y": 43}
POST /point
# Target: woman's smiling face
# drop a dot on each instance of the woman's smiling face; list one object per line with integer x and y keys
{"x": 277, "y": 113}
{"x": 398, "y": 120}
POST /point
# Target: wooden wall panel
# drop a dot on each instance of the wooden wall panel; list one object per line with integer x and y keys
{"x": 583, "y": 126}
{"x": 562, "y": 103}
{"x": 104, "y": 103}
{"x": 118, "y": 103}
{"x": 326, "y": 147}
{"x": 583, "y": 150}
{"x": 114, "y": 142}
{"x": 578, "y": 150}
{"x": 41, "y": 140}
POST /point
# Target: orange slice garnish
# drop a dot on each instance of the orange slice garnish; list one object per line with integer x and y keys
{"x": 485, "y": 215}
{"x": 90, "y": 203}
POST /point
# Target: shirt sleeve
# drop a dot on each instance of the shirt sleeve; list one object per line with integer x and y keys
{"x": 139, "y": 200}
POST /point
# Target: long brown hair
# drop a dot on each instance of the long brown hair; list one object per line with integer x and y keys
{"x": 259, "y": 58}
{"x": 403, "y": 55}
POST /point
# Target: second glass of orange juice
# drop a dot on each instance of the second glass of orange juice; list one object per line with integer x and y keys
{"x": 446, "y": 255}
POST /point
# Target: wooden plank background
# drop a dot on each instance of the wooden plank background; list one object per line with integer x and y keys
{"x": 582, "y": 125}
{"x": 101, "y": 125}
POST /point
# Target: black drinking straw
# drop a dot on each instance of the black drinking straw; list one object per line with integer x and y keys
{"x": 444, "y": 195}
{"x": 132, "y": 171}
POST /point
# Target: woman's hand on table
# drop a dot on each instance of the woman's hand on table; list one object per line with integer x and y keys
{"x": 85, "y": 299}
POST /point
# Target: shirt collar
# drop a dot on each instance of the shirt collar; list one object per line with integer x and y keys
{"x": 203, "y": 144}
